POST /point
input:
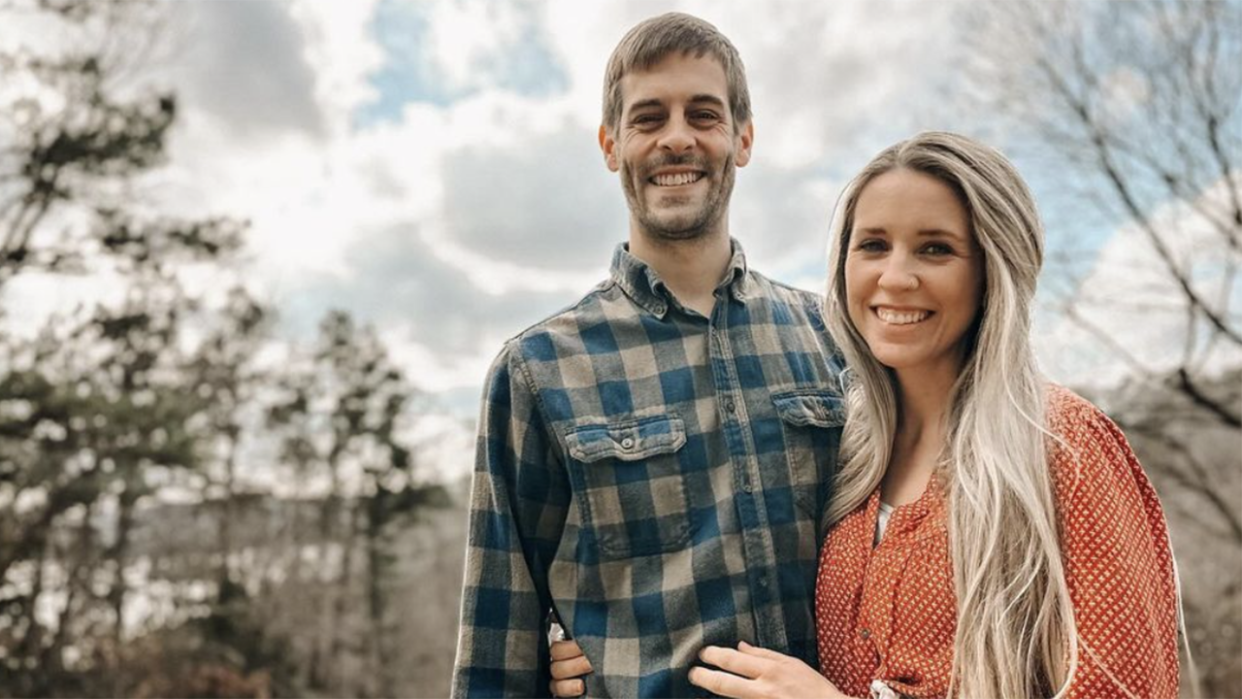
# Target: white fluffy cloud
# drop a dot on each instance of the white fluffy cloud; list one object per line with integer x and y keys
{"x": 1131, "y": 297}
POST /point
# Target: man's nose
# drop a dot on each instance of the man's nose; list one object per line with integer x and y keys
{"x": 678, "y": 136}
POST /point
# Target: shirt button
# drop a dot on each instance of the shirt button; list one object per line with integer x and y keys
{"x": 731, "y": 406}
{"x": 865, "y": 633}
{"x": 627, "y": 443}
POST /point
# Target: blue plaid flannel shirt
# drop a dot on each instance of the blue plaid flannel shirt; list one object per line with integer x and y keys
{"x": 656, "y": 477}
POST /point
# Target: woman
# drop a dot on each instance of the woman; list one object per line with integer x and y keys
{"x": 992, "y": 535}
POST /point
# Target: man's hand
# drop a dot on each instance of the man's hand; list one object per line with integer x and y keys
{"x": 568, "y": 667}
{"x": 759, "y": 673}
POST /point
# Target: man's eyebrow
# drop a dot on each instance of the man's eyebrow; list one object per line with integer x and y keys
{"x": 644, "y": 104}
{"x": 697, "y": 99}
{"x": 711, "y": 99}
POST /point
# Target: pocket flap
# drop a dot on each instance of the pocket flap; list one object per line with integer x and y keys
{"x": 630, "y": 440}
{"x": 815, "y": 408}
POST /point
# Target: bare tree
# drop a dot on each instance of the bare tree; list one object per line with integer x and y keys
{"x": 1135, "y": 106}
{"x": 341, "y": 418}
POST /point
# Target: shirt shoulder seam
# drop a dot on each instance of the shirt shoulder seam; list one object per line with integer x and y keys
{"x": 600, "y": 288}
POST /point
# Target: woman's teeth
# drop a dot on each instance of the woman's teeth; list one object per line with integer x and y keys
{"x": 901, "y": 317}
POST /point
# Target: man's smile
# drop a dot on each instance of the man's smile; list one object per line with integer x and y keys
{"x": 675, "y": 179}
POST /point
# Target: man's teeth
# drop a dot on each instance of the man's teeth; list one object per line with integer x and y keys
{"x": 677, "y": 179}
{"x": 901, "y": 317}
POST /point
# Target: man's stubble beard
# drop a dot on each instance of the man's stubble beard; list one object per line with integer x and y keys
{"x": 683, "y": 227}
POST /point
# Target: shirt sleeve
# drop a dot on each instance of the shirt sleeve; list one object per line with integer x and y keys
{"x": 518, "y": 500}
{"x": 1119, "y": 565}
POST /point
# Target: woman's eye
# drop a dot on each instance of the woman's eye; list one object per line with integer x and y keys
{"x": 937, "y": 249}
{"x": 872, "y": 245}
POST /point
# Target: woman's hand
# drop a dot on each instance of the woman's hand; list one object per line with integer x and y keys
{"x": 759, "y": 673}
{"x": 568, "y": 667}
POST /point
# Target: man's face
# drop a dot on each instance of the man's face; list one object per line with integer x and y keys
{"x": 676, "y": 147}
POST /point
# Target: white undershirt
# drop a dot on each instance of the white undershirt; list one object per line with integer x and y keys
{"x": 881, "y": 523}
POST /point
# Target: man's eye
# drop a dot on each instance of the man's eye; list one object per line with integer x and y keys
{"x": 704, "y": 116}
{"x": 647, "y": 119}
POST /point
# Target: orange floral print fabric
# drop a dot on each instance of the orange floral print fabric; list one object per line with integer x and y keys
{"x": 889, "y": 612}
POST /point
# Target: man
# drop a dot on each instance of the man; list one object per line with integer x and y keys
{"x": 653, "y": 461}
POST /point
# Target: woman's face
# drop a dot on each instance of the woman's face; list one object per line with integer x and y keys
{"x": 913, "y": 272}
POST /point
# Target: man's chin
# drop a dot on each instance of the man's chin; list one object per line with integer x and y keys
{"x": 678, "y": 216}
{"x": 678, "y": 227}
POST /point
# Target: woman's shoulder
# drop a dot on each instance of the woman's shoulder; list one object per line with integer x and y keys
{"x": 1087, "y": 450}
{"x": 1067, "y": 412}
{"x": 1078, "y": 427}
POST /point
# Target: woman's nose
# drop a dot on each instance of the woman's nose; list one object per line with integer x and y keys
{"x": 899, "y": 274}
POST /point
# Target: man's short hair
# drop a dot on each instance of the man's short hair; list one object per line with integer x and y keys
{"x": 653, "y": 39}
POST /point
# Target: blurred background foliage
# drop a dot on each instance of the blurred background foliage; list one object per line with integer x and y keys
{"x": 135, "y": 558}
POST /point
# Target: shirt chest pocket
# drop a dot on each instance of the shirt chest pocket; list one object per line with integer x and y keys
{"x": 628, "y": 479}
{"x": 811, "y": 426}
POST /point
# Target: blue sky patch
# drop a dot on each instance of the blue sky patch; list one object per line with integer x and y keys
{"x": 526, "y": 65}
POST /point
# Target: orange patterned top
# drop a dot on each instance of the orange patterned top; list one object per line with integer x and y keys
{"x": 889, "y": 612}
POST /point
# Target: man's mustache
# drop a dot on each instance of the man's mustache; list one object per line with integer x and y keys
{"x": 696, "y": 162}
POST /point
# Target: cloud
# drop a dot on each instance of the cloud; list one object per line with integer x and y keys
{"x": 543, "y": 202}
{"x": 398, "y": 281}
{"x": 482, "y": 43}
{"x": 441, "y": 51}
{"x": 781, "y": 216}
{"x": 1130, "y": 297}
{"x": 245, "y": 63}
{"x": 441, "y": 328}
{"x": 343, "y": 52}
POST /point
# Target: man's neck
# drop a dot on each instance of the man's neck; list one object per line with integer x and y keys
{"x": 691, "y": 269}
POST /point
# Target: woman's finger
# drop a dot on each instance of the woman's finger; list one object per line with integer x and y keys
{"x": 723, "y": 683}
{"x": 757, "y": 652}
{"x": 563, "y": 650}
{"x": 573, "y": 667}
{"x": 733, "y": 661}
{"x": 567, "y": 688}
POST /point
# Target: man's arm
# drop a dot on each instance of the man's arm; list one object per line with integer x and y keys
{"x": 517, "y": 512}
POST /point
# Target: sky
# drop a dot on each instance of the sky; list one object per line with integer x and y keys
{"x": 432, "y": 167}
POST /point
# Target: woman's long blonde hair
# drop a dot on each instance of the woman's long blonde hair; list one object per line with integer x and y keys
{"x": 1015, "y": 635}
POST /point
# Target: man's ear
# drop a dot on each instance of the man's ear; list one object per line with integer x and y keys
{"x": 745, "y": 139}
{"x": 608, "y": 145}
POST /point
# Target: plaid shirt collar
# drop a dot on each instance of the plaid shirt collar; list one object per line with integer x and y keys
{"x": 642, "y": 284}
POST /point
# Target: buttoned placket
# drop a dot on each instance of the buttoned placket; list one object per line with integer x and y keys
{"x": 892, "y": 555}
{"x": 757, "y": 545}
{"x": 867, "y": 648}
